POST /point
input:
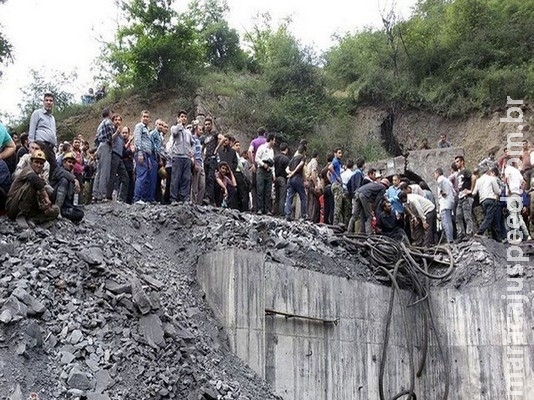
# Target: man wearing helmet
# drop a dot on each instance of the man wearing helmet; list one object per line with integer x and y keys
{"x": 65, "y": 186}
{"x": 27, "y": 197}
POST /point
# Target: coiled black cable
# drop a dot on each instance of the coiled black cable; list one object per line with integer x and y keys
{"x": 407, "y": 267}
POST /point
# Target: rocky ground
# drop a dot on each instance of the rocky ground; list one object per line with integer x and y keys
{"x": 110, "y": 309}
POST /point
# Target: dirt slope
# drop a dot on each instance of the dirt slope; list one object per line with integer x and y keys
{"x": 477, "y": 133}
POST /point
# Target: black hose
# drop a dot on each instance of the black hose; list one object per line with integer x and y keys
{"x": 408, "y": 267}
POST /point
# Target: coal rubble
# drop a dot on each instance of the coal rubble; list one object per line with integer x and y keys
{"x": 110, "y": 309}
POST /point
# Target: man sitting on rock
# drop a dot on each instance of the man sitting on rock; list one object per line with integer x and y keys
{"x": 27, "y": 197}
{"x": 65, "y": 186}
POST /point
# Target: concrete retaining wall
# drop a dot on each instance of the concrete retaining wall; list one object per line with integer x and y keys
{"x": 310, "y": 359}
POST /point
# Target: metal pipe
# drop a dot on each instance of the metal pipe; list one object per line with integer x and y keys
{"x": 289, "y": 315}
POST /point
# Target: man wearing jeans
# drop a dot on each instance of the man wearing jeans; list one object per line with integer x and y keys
{"x": 146, "y": 166}
{"x": 182, "y": 152}
{"x": 296, "y": 183}
{"x": 337, "y": 184}
{"x": 466, "y": 183}
{"x": 514, "y": 189}
{"x": 446, "y": 203}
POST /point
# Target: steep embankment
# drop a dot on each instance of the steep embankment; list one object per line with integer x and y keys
{"x": 398, "y": 130}
{"x": 477, "y": 134}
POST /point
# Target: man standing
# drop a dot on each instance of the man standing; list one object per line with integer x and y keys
{"x": 104, "y": 134}
{"x": 243, "y": 182}
{"x": 146, "y": 165}
{"x": 526, "y": 163}
{"x": 181, "y": 153}
{"x": 446, "y": 203}
{"x": 346, "y": 203}
{"x": 466, "y": 183}
{"x": 488, "y": 190}
{"x": 212, "y": 142}
{"x": 118, "y": 168}
{"x": 314, "y": 191}
{"x": 442, "y": 142}
{"x": 337, "y": 184}
{"x": 281, "y": 161}
{"x": 264, "y": 174}
{"x": 43, "y": 130}
{"x": 198, "y": 182}
{"x": 253, "y": 148}
{"x": 296, "y": 183}
{"x": 514, "y": 200}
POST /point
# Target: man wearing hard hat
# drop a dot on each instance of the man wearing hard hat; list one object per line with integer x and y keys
{"x": 27, "y": 198}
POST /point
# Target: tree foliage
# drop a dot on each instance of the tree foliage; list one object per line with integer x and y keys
{"x": 156, "y": 48}
{"x": 32, "y": 96}
{"x": 451, "y": 57}
{"x": 220, "y": 43}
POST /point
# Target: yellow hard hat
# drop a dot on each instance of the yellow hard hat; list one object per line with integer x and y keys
{"x": 38, "y": 155}
{"x": 69, "y": 155}
{"x": 162, "y": 172}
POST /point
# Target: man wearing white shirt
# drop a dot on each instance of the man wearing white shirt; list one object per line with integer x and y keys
{"x": 264, "y": 174}
{"x": 423, "y": 214}
{"x": 514, "y": 189}
{"x": 488, "y": 190}
{"x": 346, "y": 203}
{"x": 446, "y": 203}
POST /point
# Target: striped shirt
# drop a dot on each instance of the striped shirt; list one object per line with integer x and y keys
{"x": 198, "y": 151}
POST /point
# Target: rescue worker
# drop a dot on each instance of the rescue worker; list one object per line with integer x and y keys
{"x": 27, "y": 198}
{"x": 65, "y": 187}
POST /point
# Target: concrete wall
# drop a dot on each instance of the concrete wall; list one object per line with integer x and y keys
{"x": 422, "y": 163}
{"x": 309, "y": 359}
{"x": 425, "y": 162}
{"x": 391, "y": 166}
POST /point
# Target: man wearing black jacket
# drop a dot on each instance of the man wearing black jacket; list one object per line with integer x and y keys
{"x": 281, "y": 162}
{"x": 65, "y": 186}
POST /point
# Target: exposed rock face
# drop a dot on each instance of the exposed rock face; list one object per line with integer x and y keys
{"x": 109, "y": 309}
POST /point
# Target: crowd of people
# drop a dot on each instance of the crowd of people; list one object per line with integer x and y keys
{"x": 190, "y": 161}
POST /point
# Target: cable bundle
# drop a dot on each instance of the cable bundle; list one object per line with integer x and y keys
{"x": 409, "y": 268}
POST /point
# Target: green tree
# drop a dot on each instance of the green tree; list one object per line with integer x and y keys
{"x": 220, "y": 43}
{"x": 32, "y": 95}
{"x": 257, "y": 41}
{"x": 157, "y": 48}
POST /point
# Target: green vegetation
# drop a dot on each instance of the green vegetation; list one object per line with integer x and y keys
{"x": 452, "y": 57}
